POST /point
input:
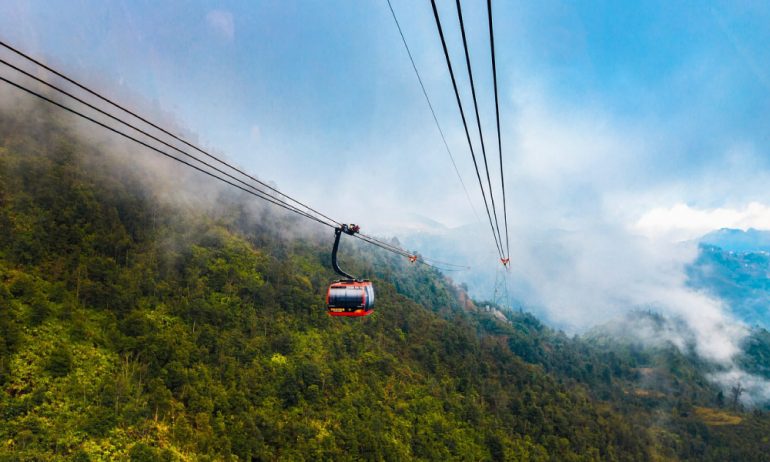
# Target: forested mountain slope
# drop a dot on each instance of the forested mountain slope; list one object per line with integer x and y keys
{"x": 138, "y": 321}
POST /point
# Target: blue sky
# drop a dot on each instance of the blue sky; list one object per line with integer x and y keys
{"x": 608, "y": 107}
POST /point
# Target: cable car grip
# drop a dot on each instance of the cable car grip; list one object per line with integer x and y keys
{"x": 347, "y": 229}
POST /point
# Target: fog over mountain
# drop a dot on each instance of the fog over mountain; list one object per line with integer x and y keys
{"x": 578, "y": 280}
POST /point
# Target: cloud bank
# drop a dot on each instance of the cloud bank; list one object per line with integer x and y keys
{"x": 682, "y": 222}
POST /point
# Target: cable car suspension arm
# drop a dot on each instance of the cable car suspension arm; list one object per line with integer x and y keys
{"x": 347, "y": 229}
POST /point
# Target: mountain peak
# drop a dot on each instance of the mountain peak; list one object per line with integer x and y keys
{"x": 737, "y": 240}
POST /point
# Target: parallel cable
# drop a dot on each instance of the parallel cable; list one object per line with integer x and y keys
{"x": 159, "y": 151}
{"x": 478, "y": 118}
{"x": 420, "y": 258}
{"x": 137, "y": 116}
{"x": 252, "y": 191}
{"x": 285, "y": 205}
{"x": 439, "y": 262}
{"x": 497, "y": 115}
{"x": 384, "y": 245}
{"x": 111, "y": 116}
{"x": 433, "y": 112}
{"x": 404, "y": 252}
{"x": 465, "y": 123}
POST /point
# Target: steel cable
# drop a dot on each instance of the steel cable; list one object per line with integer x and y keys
{"x": 465, "y": 123}
{"x": 143, "y": 119}
{"x": 497, "y": 116}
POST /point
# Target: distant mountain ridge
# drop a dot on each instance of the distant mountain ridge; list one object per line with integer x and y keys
{"x": 736, "y": 240}
{"x": 734, "y": 265}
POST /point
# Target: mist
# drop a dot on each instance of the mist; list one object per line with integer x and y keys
{"x": 583, "y": 181}
{"x": 163, "y": 182}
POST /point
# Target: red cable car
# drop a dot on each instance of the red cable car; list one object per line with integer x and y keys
{"x": 349, "y": 296}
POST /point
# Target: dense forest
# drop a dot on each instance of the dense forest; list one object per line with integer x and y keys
{"x": 139, "y": 322}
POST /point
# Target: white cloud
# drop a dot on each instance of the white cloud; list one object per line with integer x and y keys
{"x": 681, "y": 222}
{"x": 221, "y": 22}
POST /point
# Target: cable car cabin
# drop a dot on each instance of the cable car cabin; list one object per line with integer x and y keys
{"x": 350, "y": 298}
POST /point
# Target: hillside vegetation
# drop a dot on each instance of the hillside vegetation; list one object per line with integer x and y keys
{"x": 137, "y": 327}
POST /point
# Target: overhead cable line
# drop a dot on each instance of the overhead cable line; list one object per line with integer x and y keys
{"x": 160, "y": 151}
{"x": 497, "y": 115}
{"x": 372, "y": 240}
{"x": 255, "y": 193}
{"x": 438, "y": 264}
{"x": 478, "y": 119}
{"x": 252, "y": 190}
{"x": 143, "y": 132}
{"x": 406, "y": 253}
{"x": 419, "y": 257}
{"x": 433, "y": 112}
{"x": 148, "y": 122}
{"x": 465, "y": 123}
